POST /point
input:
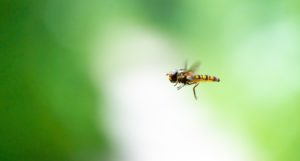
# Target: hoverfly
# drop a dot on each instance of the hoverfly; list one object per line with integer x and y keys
{"x": 187, "y": 77}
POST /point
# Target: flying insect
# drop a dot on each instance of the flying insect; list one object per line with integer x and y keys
{"x": 188, "y": 77}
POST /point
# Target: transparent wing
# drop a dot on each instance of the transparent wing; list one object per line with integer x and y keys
{"x": 194, "y": 67}
{"x": 185, "y": 65}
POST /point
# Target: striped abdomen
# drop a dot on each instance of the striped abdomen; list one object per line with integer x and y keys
{"x": 199, "y": 78}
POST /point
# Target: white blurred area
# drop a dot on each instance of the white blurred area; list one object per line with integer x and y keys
{"x": 147, "y": 118}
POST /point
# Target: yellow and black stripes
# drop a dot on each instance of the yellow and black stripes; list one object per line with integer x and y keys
{"x": 198, "y": 78}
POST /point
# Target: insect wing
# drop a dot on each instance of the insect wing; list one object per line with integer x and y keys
{"x": 185, "y": 65}
{"x": 194, "y": 67}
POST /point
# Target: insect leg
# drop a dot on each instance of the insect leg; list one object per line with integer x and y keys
{"x": 176, "y": 83}
{"x": 178, "y": 88}
{"x": 195, "y": 91}
{"x": 190, "y": 83}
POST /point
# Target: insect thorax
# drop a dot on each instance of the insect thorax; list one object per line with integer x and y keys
{"x": 182, "y": 79}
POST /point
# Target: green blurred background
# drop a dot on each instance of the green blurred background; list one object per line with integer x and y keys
{"x": 49, "y": 104}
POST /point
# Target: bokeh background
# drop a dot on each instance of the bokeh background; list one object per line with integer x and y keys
{"x": 85, "y": 80}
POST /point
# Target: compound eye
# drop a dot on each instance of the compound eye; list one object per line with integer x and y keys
{"x": 174, "y": 72}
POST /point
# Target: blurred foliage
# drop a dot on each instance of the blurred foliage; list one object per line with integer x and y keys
{"x": 48, "y": 104}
